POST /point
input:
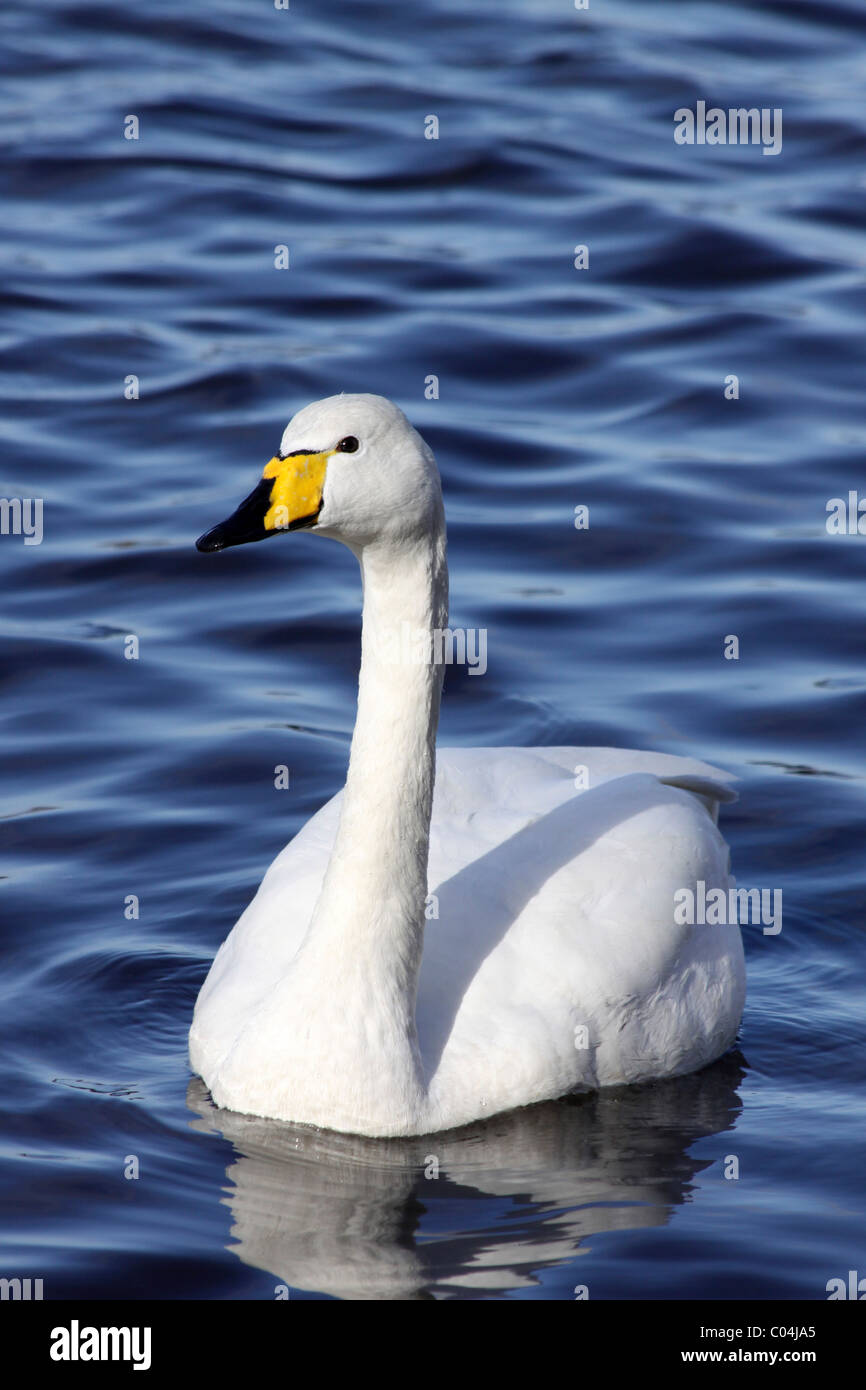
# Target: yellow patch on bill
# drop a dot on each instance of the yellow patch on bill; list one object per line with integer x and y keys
{"x": 297, "y": 491}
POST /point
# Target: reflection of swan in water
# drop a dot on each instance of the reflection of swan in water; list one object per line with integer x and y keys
{"x": 341, "y": 1214}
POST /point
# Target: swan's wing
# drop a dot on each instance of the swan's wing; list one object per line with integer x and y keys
{"x": 556, "y": 959}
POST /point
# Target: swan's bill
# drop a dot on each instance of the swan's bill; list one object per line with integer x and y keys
{"x": 288, "y": 497}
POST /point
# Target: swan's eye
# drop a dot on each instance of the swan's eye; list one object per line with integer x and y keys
{"x": 347, "y": 445}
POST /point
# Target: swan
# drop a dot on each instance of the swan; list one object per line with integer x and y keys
{"x": 420, "y": 957}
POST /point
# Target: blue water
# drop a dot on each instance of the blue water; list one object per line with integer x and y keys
{"x": 153, "y": 776}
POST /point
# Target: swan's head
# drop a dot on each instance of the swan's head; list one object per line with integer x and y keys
{"x": 348, "y": 467}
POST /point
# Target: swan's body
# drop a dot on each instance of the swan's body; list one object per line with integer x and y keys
{"x": 552, "y": 958}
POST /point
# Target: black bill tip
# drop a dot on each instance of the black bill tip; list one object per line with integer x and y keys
{"x": 211, "y": 540}
{"x": 244, "y": 525}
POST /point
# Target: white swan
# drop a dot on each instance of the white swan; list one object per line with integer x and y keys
{"x": 556, "y": 961}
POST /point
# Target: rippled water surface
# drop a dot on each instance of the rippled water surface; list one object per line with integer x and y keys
{"x": 154, "y": 258}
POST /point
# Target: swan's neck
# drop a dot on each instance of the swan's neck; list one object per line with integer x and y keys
{"x": 376, "y": 883}
{"x": 360, "y": 959}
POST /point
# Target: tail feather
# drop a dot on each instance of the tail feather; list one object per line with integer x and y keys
{"x": 711, "y": 792}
